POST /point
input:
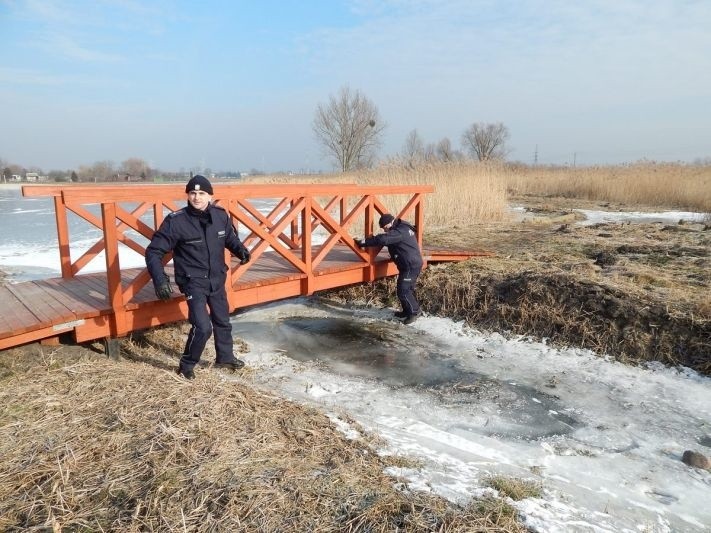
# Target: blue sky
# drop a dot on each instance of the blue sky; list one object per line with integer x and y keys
{"x": 233, "y": 85}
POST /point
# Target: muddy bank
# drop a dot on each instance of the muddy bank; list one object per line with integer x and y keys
{"x": 638, "y": 293}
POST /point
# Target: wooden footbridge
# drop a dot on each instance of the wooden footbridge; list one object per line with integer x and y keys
{"x": 300, "y": 237}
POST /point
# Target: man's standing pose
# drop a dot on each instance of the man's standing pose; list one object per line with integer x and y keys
{"x": 198, "y": 235}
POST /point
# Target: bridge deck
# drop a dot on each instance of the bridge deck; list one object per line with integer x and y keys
{"x": 81, "y": 305}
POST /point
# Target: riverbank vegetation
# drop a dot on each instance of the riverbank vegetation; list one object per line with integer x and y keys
{"x": 467, "y": 191}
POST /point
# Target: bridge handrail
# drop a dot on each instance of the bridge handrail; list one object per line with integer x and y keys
{"x": 300, "y": 209}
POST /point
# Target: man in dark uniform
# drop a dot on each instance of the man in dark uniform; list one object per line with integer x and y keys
{"x": 400, "y": 238}
{"x": 197, "y": 235}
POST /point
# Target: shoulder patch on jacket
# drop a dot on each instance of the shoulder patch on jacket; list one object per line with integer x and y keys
{"x": 176, "y": 213}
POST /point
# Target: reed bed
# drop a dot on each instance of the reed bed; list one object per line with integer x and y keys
{"x": 666, "y": 185}
{"x": 463, "y": 192}
{"x": 467, "y": 191}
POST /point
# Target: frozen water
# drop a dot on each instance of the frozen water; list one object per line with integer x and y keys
{"x": 593, "y": 216}
{"x": 604, "y": 440}
{"x": 388, "y": 353}
{"x": 667, "y": 217}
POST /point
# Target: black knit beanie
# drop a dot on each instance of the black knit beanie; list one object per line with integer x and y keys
{"x": 199, "y": 183}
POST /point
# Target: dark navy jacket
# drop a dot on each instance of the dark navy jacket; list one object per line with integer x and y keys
{"x": 198, "y": 241}
{"x": 401, "y": 241}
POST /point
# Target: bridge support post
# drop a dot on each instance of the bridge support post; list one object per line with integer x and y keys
{"x": 307, "y": 284}
{"x": 112, "y": 348}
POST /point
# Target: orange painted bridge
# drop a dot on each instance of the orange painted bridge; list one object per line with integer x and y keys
{"x": 300, "y": 237}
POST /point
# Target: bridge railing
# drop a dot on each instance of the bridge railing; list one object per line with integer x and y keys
{"x": 283, "y": 218}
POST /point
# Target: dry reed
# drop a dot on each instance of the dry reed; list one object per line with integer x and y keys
{"x": 650, "y": 184}
{"x": 467, "y": 192}
{"x": 515, "y": 489}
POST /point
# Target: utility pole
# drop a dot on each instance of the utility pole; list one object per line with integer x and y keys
{"x": 535, "y": 157}
{"x": 575, "y": 158}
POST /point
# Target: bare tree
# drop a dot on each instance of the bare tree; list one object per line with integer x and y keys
{"x": 413, "y": 151}
{"x": 17, "y": 170}
{"x": 430, "y": 152}
{"x": 486, "y": 141}
{"x": 349, "y": 129}
{"x": 445, "y": 152}
{"x": 58, "y": 175}
{"x": 105, "y": 171}
{"x": 135, "y": 167}
{"x": 99, "y": 171}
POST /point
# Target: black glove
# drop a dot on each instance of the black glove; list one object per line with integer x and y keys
{"x": 359, "y": 242}
{"x": 244, "y": 256}
{"x": 164, "y": 291}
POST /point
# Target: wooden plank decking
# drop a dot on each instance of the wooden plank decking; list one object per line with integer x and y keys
{"x": 44, "y": 309}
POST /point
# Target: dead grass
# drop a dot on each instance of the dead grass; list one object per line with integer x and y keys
{"x": 516, "y": 489}
{"x": 93, "y": 444}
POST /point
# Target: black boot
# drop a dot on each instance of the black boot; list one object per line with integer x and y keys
{"x": 410, "y": 318}
{"x": 400, "y": 314}
{"x": 187, "y": 373}
{"x": 233, "y": 364}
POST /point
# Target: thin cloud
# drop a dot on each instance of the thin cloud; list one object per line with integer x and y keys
{"x": 67, "y": 47}
{"x": 14, "y": 76}
{"x": 33, "y": 78}
{"x": 46, "y": 11}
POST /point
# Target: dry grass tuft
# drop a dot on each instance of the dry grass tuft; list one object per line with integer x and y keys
{"x": 515, "y": 489}
{"x": 94, "y": 444}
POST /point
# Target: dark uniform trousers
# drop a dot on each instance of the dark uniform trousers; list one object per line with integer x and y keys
{"x": 407, "y": 276}
{"x": 200, "y": 295}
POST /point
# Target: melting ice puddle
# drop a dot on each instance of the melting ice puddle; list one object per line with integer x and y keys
{"x": 389, "y": 353}
{"x": 603, "y": 439}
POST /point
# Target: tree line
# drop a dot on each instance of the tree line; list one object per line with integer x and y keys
{"x": 132, "y": 169}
